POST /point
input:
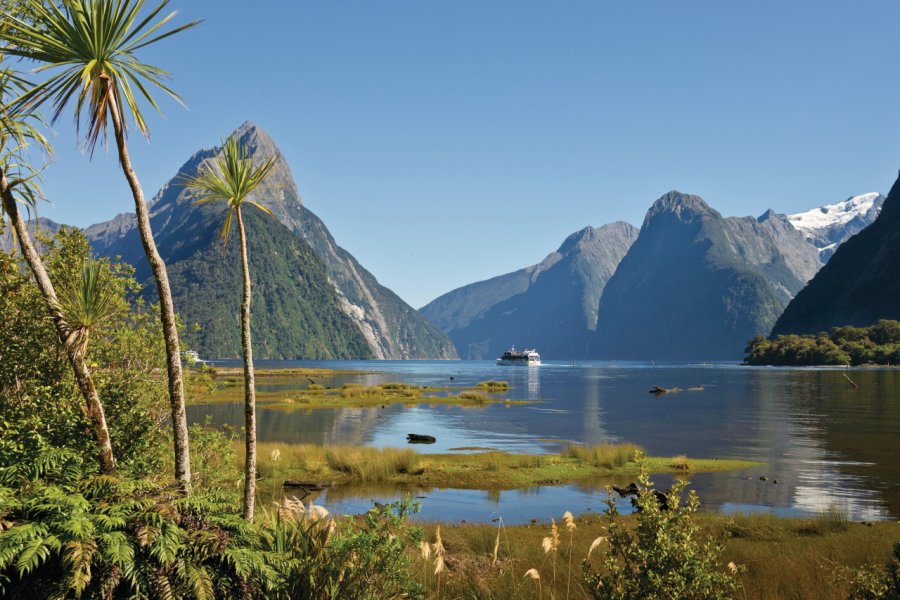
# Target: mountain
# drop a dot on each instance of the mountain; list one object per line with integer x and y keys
{"x": 551, "y": 306}
{"x": 829, "y": 226}
{"x": 696, "y": 285}
{"x": 46, "y": 227}
{"x": 312, "y": 299}
{"x": 859, "y": 285}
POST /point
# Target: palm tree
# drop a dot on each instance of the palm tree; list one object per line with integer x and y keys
{"x": 85, "y": 305}
{"x": 88, "y": 48}
{"x": 231, "y": 177}
{"x": 18, "y": 132}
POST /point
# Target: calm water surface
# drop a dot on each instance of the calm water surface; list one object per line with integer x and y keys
{"x": 827, "y": 443}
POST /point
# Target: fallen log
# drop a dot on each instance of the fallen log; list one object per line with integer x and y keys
{"x": 309, "y": 486}
{"x": 659, "y": 391}
{"x": 415, "y": 438}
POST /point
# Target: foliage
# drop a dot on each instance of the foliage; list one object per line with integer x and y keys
{"x": 91, "y": 45}
{"x": 300, "y": 314}
{"x": 366, "y": 558}
{"x": 66, "y": 533}
{"x": 85, "y": 304}
{"x": 873, "y": 583}
{"x": 231, "y": 178}
{"x": 41, "y": 406}
{"x": 664, "y": 557}
{"x": 877, "y": 344}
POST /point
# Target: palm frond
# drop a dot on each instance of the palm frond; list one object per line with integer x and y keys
{"x": 21, "y": 142}
{"x": 85, "y": 304}
{"x": 230, "y": 177}
{"x": 88, "y": 47}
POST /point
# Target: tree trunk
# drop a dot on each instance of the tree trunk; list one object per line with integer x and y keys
{"x": 93, "y": 407}
{"x": 166, "y": 308}
{"x": 249, "y": 381}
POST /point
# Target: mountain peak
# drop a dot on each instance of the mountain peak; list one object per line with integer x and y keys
{"x": 255, "y": 140}
{"x": 684, "y": 207}
{"x": 828, "y": 226}
{"x": 573, "y": 240}
{"x": 769, "y": 214}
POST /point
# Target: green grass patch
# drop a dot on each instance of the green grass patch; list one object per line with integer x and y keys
{"x": 493, "y": 386}
{"x": 478, "y": 470}
{"x": 316, "y": 389}
{"x": 777, "y": 557}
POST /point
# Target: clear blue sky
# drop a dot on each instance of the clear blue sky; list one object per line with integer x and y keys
{"x": 447, "y": 142}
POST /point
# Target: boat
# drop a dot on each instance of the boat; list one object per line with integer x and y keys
{"x": 525, "y": 357}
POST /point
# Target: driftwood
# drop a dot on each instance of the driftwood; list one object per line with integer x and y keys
{"x": 309, "y": 486}
{"x": 853, "y": 383}
{"x": 659, "y": 391}
{"x": 415, "y": 438}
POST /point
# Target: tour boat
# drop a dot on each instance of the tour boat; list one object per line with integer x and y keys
{"x": 526, "y": 357}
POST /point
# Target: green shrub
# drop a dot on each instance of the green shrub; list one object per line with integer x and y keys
{"x": 874, "y": 583}
{"x": 40, "y": 407}
{"x": 67, "y": 533}
{"x": 664, "y": 557}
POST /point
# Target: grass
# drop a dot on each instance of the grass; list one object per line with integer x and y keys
{"x": 801, "y": 559}
{"x": 493, "y": 386}
{"x": 605, "y": 456}
{"x": 290, "y": 389}
{"x": 478, "y": 470}
{"x": 362, "y": 465}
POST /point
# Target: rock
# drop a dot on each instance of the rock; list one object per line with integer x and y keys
{"x": 416, "y": 438}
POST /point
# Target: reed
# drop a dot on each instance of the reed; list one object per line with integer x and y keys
{"x": 607, "y": 456}
{"x": 493, "y": 386}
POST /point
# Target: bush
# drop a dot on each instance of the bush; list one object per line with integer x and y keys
{"x": 664, "y": 557}
{"x": 67, "y": 533}
{"x": 873, "y": 583}
{"x": 40, "y": 406}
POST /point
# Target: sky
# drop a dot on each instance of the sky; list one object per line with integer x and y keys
{"x": 444, "y": 143}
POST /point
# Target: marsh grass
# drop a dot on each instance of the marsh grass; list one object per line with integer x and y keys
{"x": 607, "y": 456}
{"x": 394, "y": 385}
{"x": 681, "y": 463}
{"x": 476, "y": 398}
{"x": 295, "y": 389}
{"x": 362, "y": 464}
{"x": 493, "y": 386}
{"x": 492, "y": 470}
{"x": 777, "y": 561}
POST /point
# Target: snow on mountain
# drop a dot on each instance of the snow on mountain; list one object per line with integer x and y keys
{"x": 827, "y": 227}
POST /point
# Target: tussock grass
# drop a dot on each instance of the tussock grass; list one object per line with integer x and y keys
{"x": 491, "y": 470}
{"x": 315, "y": 387}
{"x": 308, "y": 461}
{"x": 681, "y": 463}
{"x": 394, "y": 385}
{"x": 372, "y": 464}
{"x": 493, "y": 386}
{"x": 476, "y": 398}
{"x": 607, "y": 456}
{"x": 779, "y": 561}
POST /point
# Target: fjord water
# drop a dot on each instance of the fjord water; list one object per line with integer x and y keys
{"x": 827, "y": 443}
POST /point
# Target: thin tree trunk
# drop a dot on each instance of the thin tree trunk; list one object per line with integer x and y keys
{"x": 93, "y": 407}
{"x": 166, "y": 308}
{"x": 249, "y": 380}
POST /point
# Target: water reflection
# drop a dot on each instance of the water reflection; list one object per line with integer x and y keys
{"x": 826, "y": 443}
